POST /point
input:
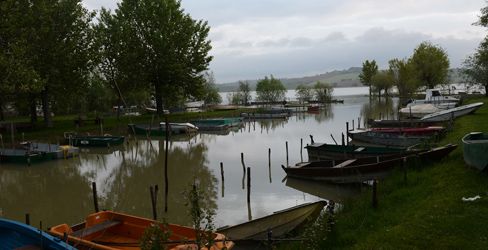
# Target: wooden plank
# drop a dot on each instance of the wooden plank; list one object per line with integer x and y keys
{"x": 96, "y": 228}
{"x": 345, "y": 163}
{"x": 359, "y": 149}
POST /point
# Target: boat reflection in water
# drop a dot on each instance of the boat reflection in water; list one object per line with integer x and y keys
{"x": 325, "y": 190}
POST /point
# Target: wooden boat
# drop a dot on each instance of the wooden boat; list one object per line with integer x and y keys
{"x": 425, "y": 131}
{"x": 16, "y": 235}
{"x": 359, "y": 170}
{"x": 475, "y": 150}
{"x": 387, "y": 139}
{"x": 93, "y": 140}
{"x": 55, "y": 151}
{"x": 160, "y": 129}
{"x": 23, "y": 156}
{"x": 109, "y": 230}
{"x": 446, "y": 115}
{"x": 217, "y": 123}
{"x": 280, "y": 222}
{"x": 322, "y": 151}
{"x": 419, "y": 110}
{"x": 400, "y": 123}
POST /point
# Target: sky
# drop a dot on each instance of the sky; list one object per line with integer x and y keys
{"x": 291, "y": 38}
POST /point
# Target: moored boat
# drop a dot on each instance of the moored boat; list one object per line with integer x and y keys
{"x": 110, "y": 230}
{"x": 362, "y": 169}
{"x": 425, "y": 131}
{"x": 387, "y": 139}
{"x": 280, "y": 222}
{"x": 419, "y": 110}
{"x": 399, "y": 123}
{"x": 322, "y": 151}
{"x": 446, "y": 115}
{"x": 93, "y": 140}
{"x": 217, "y": 123}
{"x": 160, "y": 129}
{"x": 54, "y": 150}
{"x": 23, "y": 156}
{"x": 475, "y": 150}
{"x": 16, "y": 235}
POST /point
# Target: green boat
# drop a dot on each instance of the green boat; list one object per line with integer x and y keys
{"x": 475, "y": 149}
{"x": 160, "y": 129}
{"x": 93, "y": 140}
{"x": 323, "y": 151}
{"x": 217, "y": 123}
{"x": 22, "y": 156}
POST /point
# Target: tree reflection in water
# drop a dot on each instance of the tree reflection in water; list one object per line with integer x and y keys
{"x": 380, "y": 108}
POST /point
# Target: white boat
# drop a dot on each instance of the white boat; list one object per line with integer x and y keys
{"x": 419, "y": 110}
{"x": 446, "y": 115}
{"x": 434, "y": 96}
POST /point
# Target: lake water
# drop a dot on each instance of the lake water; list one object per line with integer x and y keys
{"x": 60, "y": 191}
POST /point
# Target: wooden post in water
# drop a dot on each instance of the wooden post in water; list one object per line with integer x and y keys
{"x": 27, "y": 219}
{"x": 301, "y": 149}
{"x": 243, "y": 170}
{"x": 333, "y": 139}
{"x": 248, "y": 185}
{"x": 375, "y": 195}
{"x": 343, "y": 141}
{"x": 353, "y": 127}
{"x": 359, "y": 122}
{"x": 269, "y": 164}
{"x": 222, "y": 177}
{"x": 311, "y": 139}
{"x": 166, "y": 165}
{"x": 95, "y": 196}
{"x": 153, "y": 202}
{"x": 287, "y": 153}
{"x": 347, "y": 133}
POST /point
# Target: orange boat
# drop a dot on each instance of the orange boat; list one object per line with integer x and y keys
{"x": 109, "y": 230}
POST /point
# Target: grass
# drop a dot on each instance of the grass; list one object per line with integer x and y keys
{"x": 426, "y": 211}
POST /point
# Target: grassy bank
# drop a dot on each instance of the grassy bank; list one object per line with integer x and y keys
{"x": 426, "y": 211}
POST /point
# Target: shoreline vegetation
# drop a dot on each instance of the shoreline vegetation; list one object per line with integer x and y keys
{"x": 427, "y": 211}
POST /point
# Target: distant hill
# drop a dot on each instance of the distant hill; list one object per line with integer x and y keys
{"x": 337, "y": 78}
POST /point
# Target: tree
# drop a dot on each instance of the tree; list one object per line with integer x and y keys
{"x": 404, "y": 76}
{"x": 304, "y": 93}
{"x": 211, "y": 95}
{"x": 431, "y": 64}
{"x": 270, "y": 90}
{"x": 383, "y": 80}
{"x": 369, "y": 70}
{"x": 171, "y": 48}
{"x": 245, "y": 92}
{"x": 323, "y": 92}
{"x": 476, "y": 66}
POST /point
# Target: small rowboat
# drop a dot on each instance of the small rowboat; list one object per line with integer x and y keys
{"x": 16, "y": 235}
{"x": 387, "y": 139}
{"x": 160, "y": 129}
{"x": 215, "y": 124}
{"x": 399, "y": 123}
{"x": 322, "y": 151}
{"x": 279, "y": 223}
{"x": 475, "y": 150}
{"x": 359, "y": 170}
{"x": 93, "y": 140}
{"x": 425, "y": 131}
{"x": 109, "y": 230}
{"x": 446, "y": 115}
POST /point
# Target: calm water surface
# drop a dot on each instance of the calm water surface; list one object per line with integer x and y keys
{"x": 60, "y": 191}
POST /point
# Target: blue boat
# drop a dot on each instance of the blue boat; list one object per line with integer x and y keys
{"x": 16, "y": 235}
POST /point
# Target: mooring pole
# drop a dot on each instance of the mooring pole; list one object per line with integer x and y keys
{"x": 353, "y": 126}
{"x": 311, "y": 139}
{"x": 222, "y": 176}
{"x": 301, "y": 149}
{"x": 243, "y": 170}
{"x": 153, "y": 203}
{"x": 248, "y": 185}
{"x": 333, "y": 139}
{"x": 95, "y": 196}
{"x": 347, "y": 133}
{"x": 343, "y": 141}
{"x": 166, "y": 186}
{"x": 359, "y": 122}
{"x": 286, "y": 153}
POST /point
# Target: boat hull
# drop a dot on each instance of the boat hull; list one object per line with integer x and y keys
{"x": 387, "y": 139}
{"x": 319, "y": 151}
{"x": 95, "y": 141}
{"x": 475, "y": 150}
{"x": 280, "y": 223}
{"x": 451, "y": 114}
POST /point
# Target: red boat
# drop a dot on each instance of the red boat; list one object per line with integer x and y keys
{"x": 425, "y": 131}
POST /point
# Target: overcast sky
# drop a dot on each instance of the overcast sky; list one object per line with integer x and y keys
{"x": 289, "y": 38}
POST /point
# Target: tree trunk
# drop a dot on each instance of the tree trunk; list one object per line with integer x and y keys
{"x": 159, "y": 99}
{"x": 33, "y": 106}
{"x": 46, "y": 109}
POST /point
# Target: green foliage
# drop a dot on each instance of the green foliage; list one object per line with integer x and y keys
{"x": 244, "y": 92}
{"x": 202, "y": 217}
{"x": 383, "y": 80}
{"x": 368, "y": 71}
{"x": 476, "y": 65}
{"x": 155, "y": 237}
{"x": 211, "y": 92}
{"x": 270, "y": 90}
{"x": 304, "y": 93}
{"x": 323, "y": 92}
{"x": 404, "y": 76}
{"x": 431, "y": 64}
{"x": 483, "y": 21}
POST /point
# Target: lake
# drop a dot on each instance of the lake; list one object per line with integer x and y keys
{"x": 57, "y": 192}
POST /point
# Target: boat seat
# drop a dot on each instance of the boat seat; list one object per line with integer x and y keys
{"x": 359, "y": 149}
{"x": 344, "y": 163}
{"x": 96, "y": 228}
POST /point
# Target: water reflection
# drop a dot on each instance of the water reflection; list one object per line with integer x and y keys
{"x": 60, "y": 191}
{"x": 328, "y": 191}
{"x": 380, "y": 108}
